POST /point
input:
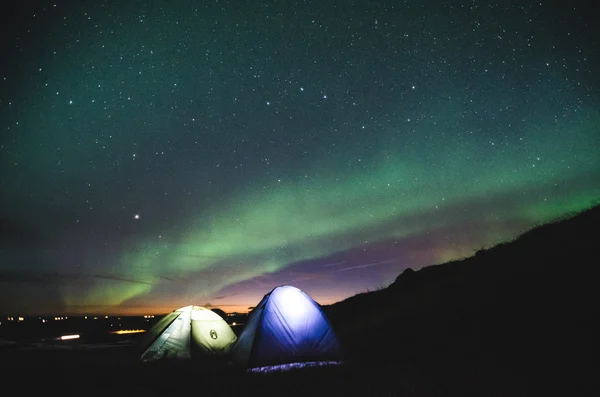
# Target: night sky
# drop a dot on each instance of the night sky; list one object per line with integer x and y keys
{"x": 155, "y": 154}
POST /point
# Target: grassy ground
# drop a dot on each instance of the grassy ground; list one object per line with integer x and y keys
{"x": 112, "y": 371}
{"x": 105, "y": 372}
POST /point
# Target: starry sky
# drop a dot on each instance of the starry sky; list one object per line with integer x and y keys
{"x": 155, "y": 154}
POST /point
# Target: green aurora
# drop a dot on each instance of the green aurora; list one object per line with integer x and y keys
{"x": 153, "y": 156}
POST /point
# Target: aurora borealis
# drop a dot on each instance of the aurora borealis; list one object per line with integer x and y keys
{"x": 156, "y": 154}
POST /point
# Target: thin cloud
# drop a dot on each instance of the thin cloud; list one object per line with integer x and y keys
{"x": 118, "y": 278}
{"x": 257, "y": 280}
{"x": 334, "y": 264}
{"x": 366, "y": 265}
{"x": 61, "y": 278}
{"x": 224, "y": 296}
{"x": 172, "y": 278}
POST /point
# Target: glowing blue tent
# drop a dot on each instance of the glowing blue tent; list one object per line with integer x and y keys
{"x": 286, "y": 327}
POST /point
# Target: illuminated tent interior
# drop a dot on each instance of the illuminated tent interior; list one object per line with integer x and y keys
{"x": 286, "y": 327}
{"x": 187, "y": 333}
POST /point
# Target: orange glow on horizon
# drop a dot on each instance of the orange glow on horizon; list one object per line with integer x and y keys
{"x": 151, "y": 310}
{"x": 148, "y": 310}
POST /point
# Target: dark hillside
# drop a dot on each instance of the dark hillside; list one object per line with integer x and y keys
{"x": 520, "y": 316}
{"x": 515, "y": 320}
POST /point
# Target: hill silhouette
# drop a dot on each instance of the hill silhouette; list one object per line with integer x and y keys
{"x": 519, "y": 317}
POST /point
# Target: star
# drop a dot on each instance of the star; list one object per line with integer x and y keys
{"x": 228, "y": 136}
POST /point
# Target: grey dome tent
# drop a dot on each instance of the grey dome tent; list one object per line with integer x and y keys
{"x": 286, "y": 327}
{"x": 186, "y": 333}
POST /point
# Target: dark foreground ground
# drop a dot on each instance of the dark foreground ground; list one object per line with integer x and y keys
{"x": 111, "y": 371}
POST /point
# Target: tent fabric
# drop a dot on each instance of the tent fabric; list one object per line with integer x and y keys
{"x": 210, "y": 332}
{"x": 154, "y": 332}
{"x": 174, "y": 342}
{"x": 243, "y": 347}
{"x": 186, "y": 332}
{"x": 286, "y": 327}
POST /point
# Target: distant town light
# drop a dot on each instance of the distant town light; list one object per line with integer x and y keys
{"x": 68, "y": 337}
{"x": 128, "y": 331}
